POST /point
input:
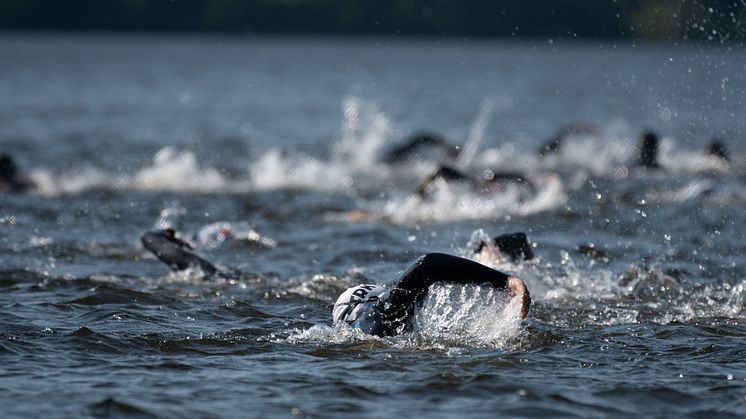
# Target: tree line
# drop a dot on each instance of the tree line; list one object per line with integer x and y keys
{"x": 709, "y": 20}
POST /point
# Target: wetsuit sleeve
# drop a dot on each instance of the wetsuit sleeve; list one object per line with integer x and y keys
{"x": 432, "y": 268}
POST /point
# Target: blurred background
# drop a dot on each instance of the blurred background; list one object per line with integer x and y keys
{"x": 708, "y": 20}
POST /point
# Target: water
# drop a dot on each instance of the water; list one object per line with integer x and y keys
{"x": 638, "y": 282}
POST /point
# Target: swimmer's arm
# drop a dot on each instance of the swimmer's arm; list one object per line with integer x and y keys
{"x": 439, "y": 267}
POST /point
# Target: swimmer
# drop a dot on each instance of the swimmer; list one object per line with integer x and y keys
{"x": 170, "y": 234}
{"x": 444, "y": 173}
{"x": 513, "y": 245}
{"x": 648, "y": 147}
{"x": 10, "y": 181}
{"x": 409, "y": 149}
{"x": 379, "y": 311}
{"x": 215, "y": 234}
{"x": 717, "y": 149}
{"x": 176, "y": 253}
{"x": 489, "y": 182}
{"x": 554, "y": 145}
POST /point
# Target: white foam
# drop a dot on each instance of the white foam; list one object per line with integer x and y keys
{"x": 171, "y": 217}
{"x": 213, "y": 235}
{"x": 171, "y": 169}
{"x": 364, "y": 131}
{"x": 452, "y": 201}
{"x": 468, "y": 315}
{"x": 273, "y": 170}
{"x": 177, "y": 170}
{"x": 75, "y": 181}
{"x": 689, "y": 161}
{"x": 338, "y": 333}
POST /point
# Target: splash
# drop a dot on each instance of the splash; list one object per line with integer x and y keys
{"x": 468, "y": 315}
{"x": 476, "y": 134}
{"x": 216, "y": 234}
{"x": 171, "y": 217}
{"x": 178, "y": 171}
{"x": 171, "y": 169}
{"x": 489, "y": 254}
{"x": 453, "y": 202}
{"x": 689, "y": 161}
{"x": 336, "y": 334}
{"x": 364, "y": 130}
{"x": 274, "y": 170}
{"x": 450, "y": 316}
{"x": 76, "y": 181}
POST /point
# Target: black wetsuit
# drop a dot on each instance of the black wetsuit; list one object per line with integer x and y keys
{"x": 177, "y": 255}
{"x": 514, "y": 245}
{"x": 405, "y": 151}
{"x": 381, "y": 312}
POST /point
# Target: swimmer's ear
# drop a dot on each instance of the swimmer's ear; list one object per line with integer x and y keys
{"x": 516, "y": 288}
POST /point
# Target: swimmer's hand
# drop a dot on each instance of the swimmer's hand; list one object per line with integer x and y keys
{"x": 516, "y": 288}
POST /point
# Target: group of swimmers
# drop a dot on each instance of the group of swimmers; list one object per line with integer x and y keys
{"x": 490, "y": 181}
{"x": 388, "y": 311}
{"x": 11, "y": 180}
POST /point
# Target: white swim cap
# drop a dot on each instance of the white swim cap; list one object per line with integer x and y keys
{"x": 345, "y": 307}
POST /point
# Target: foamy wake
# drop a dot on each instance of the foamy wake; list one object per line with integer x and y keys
{"x": 178, "y": 171}
{"x": 171, "y": 170}
{"x": 453, "y": 202}
{"x": 351, "y": 166}
{"x": 365, "y": 129}
{"x": 272, "y": 170}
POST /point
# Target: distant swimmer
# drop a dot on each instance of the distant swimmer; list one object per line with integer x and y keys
{"x": 414, "y": 146}
{"x": 216, "y": 234}
{"x": 513, "y": 245}
{"x": 554, "y": 144}
{"x": 444, "y": 173}
{"x": 382, "y": 311}
{"x": 717, "y": 149}
{"x": 489, "y": 182}
{"x": 648, "y": 151}
{"x": 10, "y": 180}
{"x": 170, "y": 234}
{"x": 177, "y": 254}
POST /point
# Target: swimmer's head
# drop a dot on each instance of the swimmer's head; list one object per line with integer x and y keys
{"x": 169, "y": 233}
{"x": 515, "y": 245}
{"x": 8, "y": 169}
{"x": 717, "y": 149}
{"x": 348, "y": 306}
{"x": 649, "y": 149}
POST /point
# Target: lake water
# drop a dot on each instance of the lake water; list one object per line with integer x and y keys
{"x": 638, "y": 281}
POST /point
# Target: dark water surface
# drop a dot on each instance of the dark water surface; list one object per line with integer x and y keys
{"x": 638, "y": 283}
